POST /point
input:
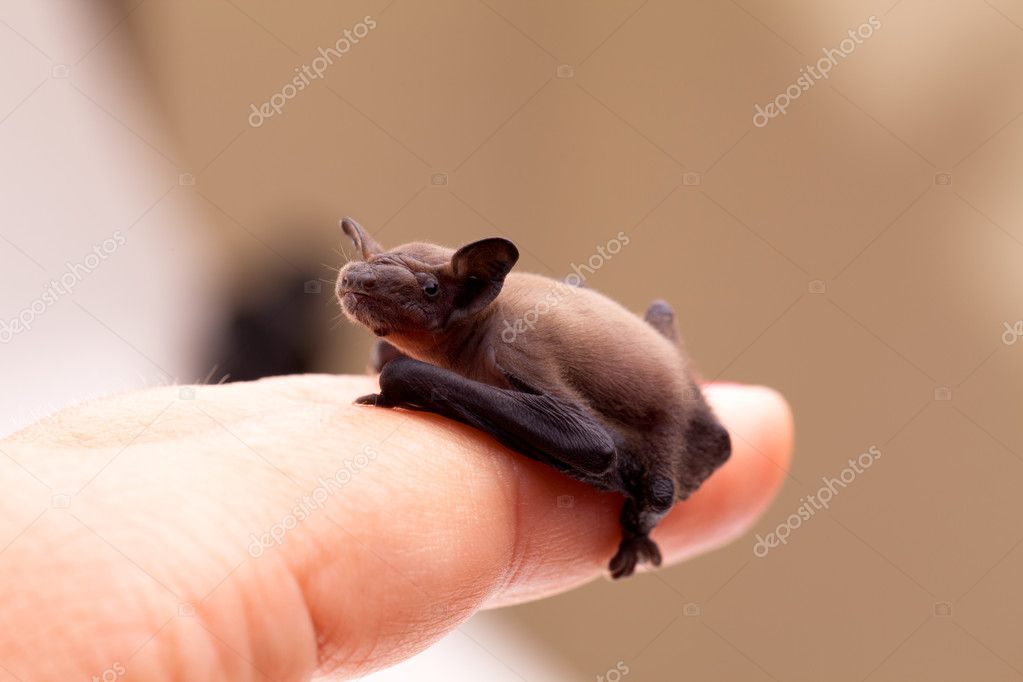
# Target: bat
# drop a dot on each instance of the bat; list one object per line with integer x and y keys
{"x": 561, "y": 374}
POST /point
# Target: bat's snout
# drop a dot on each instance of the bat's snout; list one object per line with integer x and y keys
{"x": 356, "y": 278}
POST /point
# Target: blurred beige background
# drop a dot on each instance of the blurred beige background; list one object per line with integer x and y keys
{"x": 863, "y": 253}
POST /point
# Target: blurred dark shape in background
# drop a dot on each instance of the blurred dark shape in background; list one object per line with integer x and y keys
{"x": 275, "y": 329}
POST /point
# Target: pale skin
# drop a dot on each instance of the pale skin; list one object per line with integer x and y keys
{"x": 148, "y": 571}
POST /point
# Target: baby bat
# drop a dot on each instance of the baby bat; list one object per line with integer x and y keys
{"x": 587, "y": 387}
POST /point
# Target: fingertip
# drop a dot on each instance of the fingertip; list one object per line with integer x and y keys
{"x": 758, "y": 415}
{"x": 760, "y": 423}
{"x": 559, "y": 556}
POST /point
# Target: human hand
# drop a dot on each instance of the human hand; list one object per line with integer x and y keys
{"x": 386, "y": 529}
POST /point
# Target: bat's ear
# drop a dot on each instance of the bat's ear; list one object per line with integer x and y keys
{"x": 480, "y": 269}
{"x": 364, "y": 244}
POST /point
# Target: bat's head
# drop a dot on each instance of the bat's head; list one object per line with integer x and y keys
{"x": 420, "y": 287}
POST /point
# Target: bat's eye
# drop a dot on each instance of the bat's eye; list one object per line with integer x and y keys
{"x": 431, "y": 289}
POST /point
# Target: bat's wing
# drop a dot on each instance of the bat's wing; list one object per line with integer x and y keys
{"x": 549, "y": 429}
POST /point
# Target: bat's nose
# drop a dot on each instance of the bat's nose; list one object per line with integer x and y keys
{"x": 358, "y": 279}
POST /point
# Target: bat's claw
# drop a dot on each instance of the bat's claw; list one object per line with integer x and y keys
{"x": 632, "y": 551}
{"x": 371, "y": 399}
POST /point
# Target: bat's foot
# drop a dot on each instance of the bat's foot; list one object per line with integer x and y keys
{"x": 634, "y": 550}
{"x": 661, "y": 318}
{"x": 376, "y": 399}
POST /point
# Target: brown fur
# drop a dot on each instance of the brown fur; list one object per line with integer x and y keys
{"x": 525, "y": 332}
